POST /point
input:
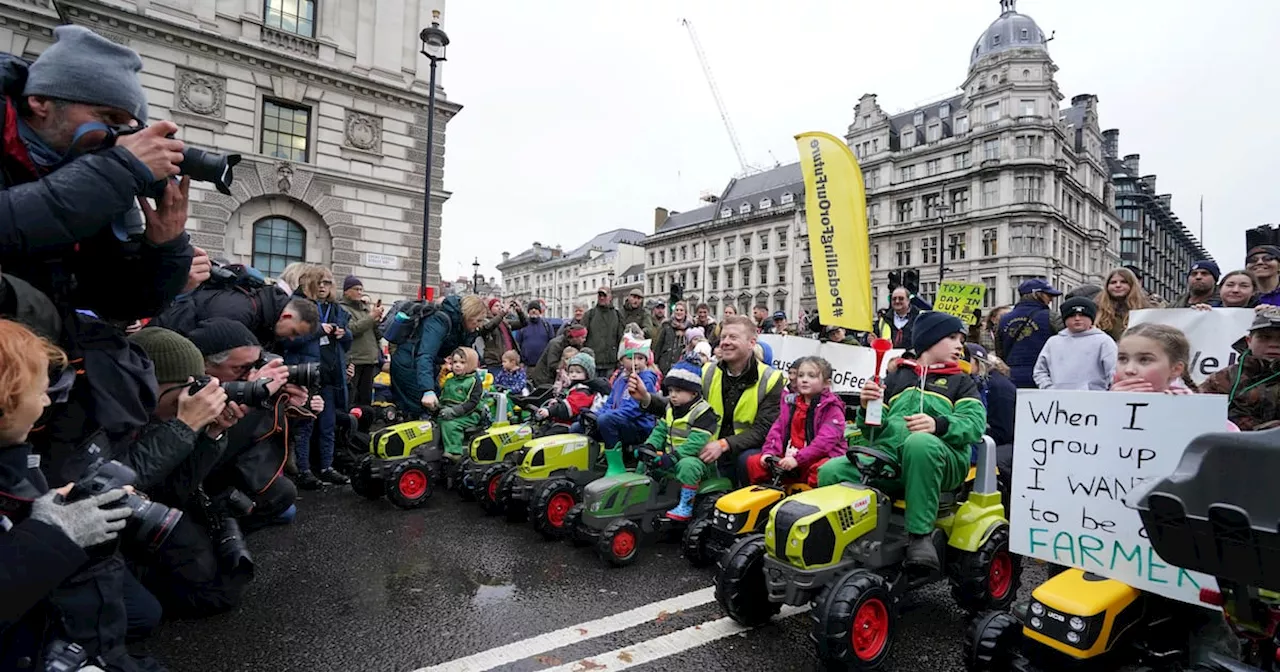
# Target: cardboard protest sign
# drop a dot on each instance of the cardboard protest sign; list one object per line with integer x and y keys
{"x": 1211, "y": 332}
{"x": 851, "y": 365}
{"x": 960, "y": 299}
{"x": 1077, "y": 455}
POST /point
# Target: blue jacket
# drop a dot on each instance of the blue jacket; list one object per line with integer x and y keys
{"x": 533, "y": 338}
{"x": 1023, "y": 332}
{"x": 1001, "y": 399}
{"x": 333, "y": 356}
{"x": 303, "y": 349}
{"x": 414, "y": 366}
{"x": 620, "y": 404}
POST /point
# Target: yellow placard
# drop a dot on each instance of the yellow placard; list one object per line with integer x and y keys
{"x": 960, "y": 299}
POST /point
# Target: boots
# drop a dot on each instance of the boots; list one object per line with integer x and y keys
{"x": 921, "y": 553}
{"x": 613, "y": 457}
{"x": 684, "y": 510}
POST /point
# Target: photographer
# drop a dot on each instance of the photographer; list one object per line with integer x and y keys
{"x": 67, "y": 202}
{"x": 233, "y": 291}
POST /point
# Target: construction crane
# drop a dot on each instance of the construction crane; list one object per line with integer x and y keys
{"x": 715, "y": 93}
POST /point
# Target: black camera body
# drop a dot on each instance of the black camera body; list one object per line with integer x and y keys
{"x": 306, "y": 376}
{"x": 220, "y": 513}
{"x": 252, "y": 393}
{"x": 149, "y": 523}
{"x": 197, "y": 164}
{"x": 65, "y": 656}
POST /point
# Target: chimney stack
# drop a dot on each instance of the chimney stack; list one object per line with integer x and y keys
{"x": 659, "y": 217}
{"x": 505, "y": 257}
{"x": 1150, "y": 181}
{"x": 1166, "y": 200}
{"x": 1111, "y": 143}
{"x": 1131, "y": 164}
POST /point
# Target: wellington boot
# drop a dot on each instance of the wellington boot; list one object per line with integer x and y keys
{"x": 684, "y": 510}
{"x": 613, "y": 457}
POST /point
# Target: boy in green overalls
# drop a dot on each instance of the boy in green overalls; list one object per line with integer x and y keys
{"x": 689, "y": 425}
{"x": 460, "y": 407}
{"x": 932, "y": 415}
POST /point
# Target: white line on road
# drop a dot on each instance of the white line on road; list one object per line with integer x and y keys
{"x": 510, "y": 653}
{"x": 665, "y": 646}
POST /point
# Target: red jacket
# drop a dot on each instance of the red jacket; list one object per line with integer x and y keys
{"x": 824, "y": 427}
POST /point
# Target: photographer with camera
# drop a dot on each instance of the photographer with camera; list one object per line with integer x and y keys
{"x": 232, "y": 291}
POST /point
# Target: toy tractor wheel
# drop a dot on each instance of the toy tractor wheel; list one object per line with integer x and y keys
{"x": 618, "y": 543}
{"x": 488, "y": 487}
{"x": 694, "y": 545}
{"x": 517, "y": 510}
{"x": 854, "y": 620}
{"x": 990, "y": 642}
{"x": 408, "y": 486}
{"x": 465, "y": 487}
{"x": 573, "y": 522}
{"x": 987, "y": 578}
{"x": 551, "y": 505}
{"x": 363, "y": 481}
{"x": 740, "y": 583}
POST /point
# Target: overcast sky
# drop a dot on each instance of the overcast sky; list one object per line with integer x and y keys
{"x": 580, "y": 116}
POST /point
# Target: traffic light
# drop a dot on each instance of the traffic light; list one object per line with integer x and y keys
{"x": 895, "y": 280}
{"x": 676, "y": 294}
{"x": 911, "y": 279}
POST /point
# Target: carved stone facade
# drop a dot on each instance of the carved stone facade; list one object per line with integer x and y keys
{"x": 356, "y": 194}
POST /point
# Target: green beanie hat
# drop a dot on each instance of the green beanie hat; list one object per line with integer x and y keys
{"x": 175, "y": 358}
{"x": 584, "y": 360}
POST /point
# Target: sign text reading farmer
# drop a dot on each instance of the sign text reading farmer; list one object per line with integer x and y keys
{"x": 1076, "y": 456}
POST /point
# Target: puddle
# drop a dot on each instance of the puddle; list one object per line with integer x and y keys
{"x": 490, "y": 595}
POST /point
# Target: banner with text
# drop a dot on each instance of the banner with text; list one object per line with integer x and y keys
{"x": 1077, "y": 454}
{"x": 1211, "y": 333}
{"x": 836, "y": 209}
{"x": 851, "y": 365}
{"x": 960, "y": 299}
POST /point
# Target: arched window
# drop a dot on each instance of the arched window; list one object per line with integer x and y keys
{"x": 277, "y": 242}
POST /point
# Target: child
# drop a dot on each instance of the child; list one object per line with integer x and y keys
{"x": 562, "y": 375}
{"x": 1080, "y": 357}
{"x": 585, "y": 392}
{"x": 460, "y": 396}
{"x": 621, "y": 421}
{"x": 793, "y": 376}
{"x": 689, "y": 425}
{"x": 932, "y": 414}
{"x": 810, "y": 426}
{"x": 511, "y": 377}
{"x": 702, "y": 350}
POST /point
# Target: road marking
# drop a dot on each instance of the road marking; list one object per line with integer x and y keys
{"x": 665, "y": 646}
{"x": 510, "y": 653}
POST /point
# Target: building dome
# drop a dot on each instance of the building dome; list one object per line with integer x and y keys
{"x": 1011, "y": 31}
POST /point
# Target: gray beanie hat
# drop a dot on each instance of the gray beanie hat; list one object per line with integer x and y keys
{"x": 82, "y": 66}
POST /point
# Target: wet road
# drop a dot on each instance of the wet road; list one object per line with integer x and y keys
{"x": 358, "y": 585}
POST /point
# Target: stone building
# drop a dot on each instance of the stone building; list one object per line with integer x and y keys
{"x": 325, "y": 100}
{"x": 561, "y": 279}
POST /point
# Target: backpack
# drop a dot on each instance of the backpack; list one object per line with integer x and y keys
{"x": 224, "y": 275}
{"x": 401, "y": 324}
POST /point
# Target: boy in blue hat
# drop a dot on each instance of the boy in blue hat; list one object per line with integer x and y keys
{"x": 689, "y": 425}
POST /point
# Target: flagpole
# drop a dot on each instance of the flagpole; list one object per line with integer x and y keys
{"x": 1202, "y": 219}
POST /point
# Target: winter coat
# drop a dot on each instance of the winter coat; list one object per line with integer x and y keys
{"x": 364, "y": 334}
{"x": 257, "y": 309}
{"x": 824, "y": 430}
{"x": 511, "y": 381}
{"x": 1185, "y": 301}
{"x": 642, "y": 317}
{"x": 498, "y": 336}
{"x": 333, "y": 351}
{"x": 1022, "y": 334}
{"x": 1001, "y": 398}
{"x": 170, "y": 459}
{"x": 533, "y": 338}
{"x": 604, "y": 334}
{"x": 1117, "y": 328}
{"x": 414, "y": 366}
{"x": 620, "y": 404}
{"x": 668, "y": 348}
{"x": 1071, "y": 361}
{"x": 950, "y": 396}
{"x": 1253, "y": 384}
{"x": 544, "y": 372}
{"x": 582, "y": 396}
{"x": 58, "y": 224}
{"x": 460, "y": 396}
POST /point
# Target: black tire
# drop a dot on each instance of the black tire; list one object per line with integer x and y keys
{"x": 465, "y": 488}
{"x": 990, "y": 642}
{"x": 550, "y": 506}
{"x": 740, "y": 584}
{"x": 987, "y": 578}
{"x": 573, "y": 525}
{"x": 854, "y": 622}
{"x": 619, "y": 543}
{"x": 363, "y": 481}
{"x": 489, "y": 486}
{"x": 706, "y": 506}
{"x": 409, "y": 484}
{"x": 517, "y": 511}
{"x": 694, "y": 543}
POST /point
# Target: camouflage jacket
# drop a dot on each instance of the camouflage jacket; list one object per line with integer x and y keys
{"x": 1254, "y": 389}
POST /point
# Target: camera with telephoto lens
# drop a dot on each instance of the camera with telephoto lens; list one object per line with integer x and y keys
{"x": 198, "y": 164}
{"x": 306, "y": 375}
{"x": 63, "y": 656}
{"x": 149, "y": 523}
{"x": 251, "y": 393}
{"x": 220, "y": 513}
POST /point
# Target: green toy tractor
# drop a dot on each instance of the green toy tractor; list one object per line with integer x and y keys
{"x": 616, "y": 510}
{"x": 842, "y": 547}
{"x": 549, "y": 478}
{"x": 405, "y": 462}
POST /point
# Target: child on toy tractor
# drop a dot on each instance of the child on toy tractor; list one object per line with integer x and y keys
{"x": 621, "y": 421}
{"x": 810, "y": 428}
{"x": 586, "y": 393}
{"x": 689, "y": 424}
{"x": 932, "y": 415}
{"x": 460, "y": 408}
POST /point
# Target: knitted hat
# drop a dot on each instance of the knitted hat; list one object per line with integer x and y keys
{"x": 932, "y": 326}
{"x": 534, "y": 305}
{"x": 703, "y": 348}
{"x": 1206, "y": 265}
{"x": 693, "y": 333}
{"x": 632, "y": 347}
{"x": 1080, "y": 306}
{"x": 220, "y": 334}
{"x": 492, "y": 302}
{"x": 684, "y": 376}
{"x": 351, "y": 281}
{"x": 176, "y": 359}
{"x": 1263, "y": 249}
{"x": 584, "y": 360}
{"x": 82, "y": 66}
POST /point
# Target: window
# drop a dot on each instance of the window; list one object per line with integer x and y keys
{"x": 744, "y": 208}
{"x": 1028, "y": 145}
{"x": 652, "y": 256}
{"x": 990, "y": 242}
{"x": 945, "y": 110}
{"x": 1017, "y": 239}
{"x": 292, "y": 16}
{"x": 694, "y": 250}
{"x": 930, "y": 202}
{"x": 726, "y": 212}
{"x": 959, "y": 201}
{"x": 871, "y": 178}
{"x": 763, "y": 277}
{"x": 714, "y": 275}
{"x": 766, "y": 202}
{"x": 906, "y": 173}
{"x": 1027, "y": 108}
{"x": 764, "y": 241}
{"x": 713, "y": 250}
{"x": 990, "y": 193}
{"x": 277, "y": 242}
{"x": 873, "y": 214}
{"x": 991, "y": 113}
{"x": 961, "y": 160}
{"x": 1035, "y": 238}
{"x": 995, "y": 39}
{"x": 746, "y": 245}
{"x": 929, "y": 250}
{"x": 684, "y": 252}
{"x": 933, "y": 133}
{"x": 651, "y": 289}
{"x": 956, "y": 244}
{"x": 286, "y": 131}
{"x": 694, "y": 275}
{"x": 962, "y": 125}
{"x": 990, "y": 149}
{"x": 908, "y": 138}
{"x": 918, "y": 119}
{"x": 782, "y": 270}
{"x": 928, "y": 290}
{"x": 989, "y": 298}
{"x": 728, "y": 248}
{"x": 906, "y": 209}
{"x": 1028, "y": 189}
{"x": 662, "y": 257}
{"x": 728, "y": 277}
{"x": 787, "y": 197}
{"x": 933, "y": 166}
{"x": 875, "y": 255}
{"x": 903, "y": 252}
{"x": 782, "y": 239}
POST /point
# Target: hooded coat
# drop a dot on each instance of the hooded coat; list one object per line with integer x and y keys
{"x": 604, "y": 332}
{"x": 824, "y": 430}
{"x": 415, "y": 365}
{"x": 1071, "y": 361}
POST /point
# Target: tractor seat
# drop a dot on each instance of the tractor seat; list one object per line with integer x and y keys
{"x": 947, "y": 500}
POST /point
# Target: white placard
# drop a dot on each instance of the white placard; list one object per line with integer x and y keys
{"x": 375, "y": 260}
{"x": 1077, "y": 454}
{"x": 851, "y": 365}
{"x": 1211, "y": 333}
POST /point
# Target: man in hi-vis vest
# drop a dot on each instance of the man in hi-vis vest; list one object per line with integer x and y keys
{"x": 745, "y": 393}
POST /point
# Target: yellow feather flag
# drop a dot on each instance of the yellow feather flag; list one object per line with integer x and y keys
{"x": 836, "y": 209}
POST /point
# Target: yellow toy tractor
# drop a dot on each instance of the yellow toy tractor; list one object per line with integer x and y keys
{"x": 741, "y": 512}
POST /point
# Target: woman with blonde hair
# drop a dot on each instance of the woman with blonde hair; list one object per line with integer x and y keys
{"x": 415, "y": 366}
{"x": 1121, "y": 295}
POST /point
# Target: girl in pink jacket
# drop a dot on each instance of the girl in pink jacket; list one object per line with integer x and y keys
{"x": 809, "y": 430}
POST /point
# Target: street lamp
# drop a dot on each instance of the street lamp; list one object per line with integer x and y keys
{"x": 434, "y": 42}
{"x": 475, "y": 276}
{"x": 943, "y": 210}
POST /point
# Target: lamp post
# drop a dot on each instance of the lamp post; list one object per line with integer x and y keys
{"x": 475, "y": 276}
{"x": 943, "y": 210}
{"x": 434, "y": 42}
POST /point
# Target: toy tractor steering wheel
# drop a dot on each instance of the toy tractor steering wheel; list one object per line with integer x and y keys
{"x": 882, "y": 465}
{"x": 588, "y": 420}
{"x": 771, "y": 463}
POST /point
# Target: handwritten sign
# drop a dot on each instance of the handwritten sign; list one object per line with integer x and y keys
{"x": 1077, "y": 455}
{"x": 851, "y": 365}
{"x": 960, "y": 299}
{"x": 1212, "y": 334}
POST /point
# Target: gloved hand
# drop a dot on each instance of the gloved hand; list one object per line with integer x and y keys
{"x": 447, "y": 414}
{"x": 665, "y": 462}
{"x": 85, "y": 522}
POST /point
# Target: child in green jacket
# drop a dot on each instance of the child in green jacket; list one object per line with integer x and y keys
{"x": 460, "y": 396}
{"x": 689, "y": 425}
{"x": 932, "y": 415}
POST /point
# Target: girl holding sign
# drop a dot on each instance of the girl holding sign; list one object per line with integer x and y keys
{"x": 1153, "y": 358}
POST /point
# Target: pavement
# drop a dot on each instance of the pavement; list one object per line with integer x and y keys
{"x": 359, "y": 585}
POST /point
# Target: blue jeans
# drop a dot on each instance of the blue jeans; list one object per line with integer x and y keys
{"x": 326, "y": 425}
{"x": 740, "y": 466}
{"x": 616, "y": 429}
